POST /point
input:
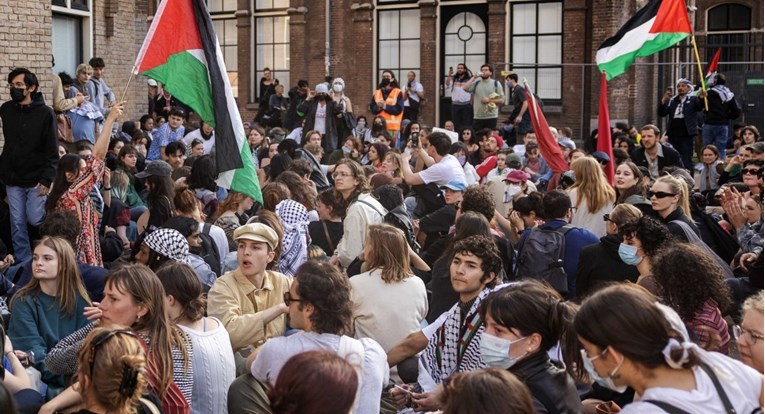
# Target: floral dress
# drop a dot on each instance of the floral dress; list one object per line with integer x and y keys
{"x": 77, "y": 199}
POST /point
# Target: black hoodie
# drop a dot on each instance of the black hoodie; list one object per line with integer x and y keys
{"x": 600, "y": 263}
{"x": 30, "y": 154}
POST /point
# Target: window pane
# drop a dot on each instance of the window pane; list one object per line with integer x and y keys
{"x": 549, "y": 83}
{"x": 410, "y": 53}
{"x": 281, "y": 30}
{"x": 233, "y": 78}
{"x": 284, "y": 78}
{"x": 388, "y": 54}
{"x": 230, "y": 57}
{"x": 550, "y": 17}
{"x": 229, "y": 37}
{"x": 717, "y": 18}
{"x": 474, "y": 62}
{"x": 410, "y": 24}
{"x": 388, "y": 25}
{"x": 61, "y": 3}
{"x": 80, "y": 4}
{"x": 281, "y": 4}
{"x": 740, "y": 17}
{"x": 229, "y": 5}
{"x": 455, "y": 23}
{"x": 524, "y": 18}
{"x": 452, "y": 45}
{"x": 67, "y": 43}
{"x": 524, "y": 50}
{"x": 477, "y": 44}
{"x": 281, "y": 57}
{"x": 550, "y": 50}
{"x": 475, "y": 22}
{"x": 264, "y": 56}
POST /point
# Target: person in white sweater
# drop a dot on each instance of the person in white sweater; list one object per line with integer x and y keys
{"x": 209, "y": 338}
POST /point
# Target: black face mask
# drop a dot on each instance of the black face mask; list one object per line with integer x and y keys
{"x": 195, "y": 250}
{"x": 385, "y": 82}
{"x": 17, "y": 94}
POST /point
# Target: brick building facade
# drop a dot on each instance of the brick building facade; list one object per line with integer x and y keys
{"x": 550, "y": 42}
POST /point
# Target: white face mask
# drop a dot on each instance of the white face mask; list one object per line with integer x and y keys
{"x": 337, "y": 88}
{"x": 605, "y": 382}
{"x": 495, "y": 351}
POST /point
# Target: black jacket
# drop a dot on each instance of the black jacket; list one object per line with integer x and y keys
{"x": 691, "y": 109}
{"x": 552, "y": 389}
{"x": 675, "y": 229}
{"x": 599, "y": 263}
{"x": 30, "y": 155}
{"x": 330, "y": 141}
{"x": 671, "y": 158}
{"x": 292, "y": 118}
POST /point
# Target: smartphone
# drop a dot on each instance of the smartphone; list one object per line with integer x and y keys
{"x": 415, "y": 138}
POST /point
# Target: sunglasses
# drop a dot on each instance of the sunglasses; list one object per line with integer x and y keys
{"x": 102, "y": 340}
{"x": 660, "y": 194}
{"x": 752, "y": 171}
{"x": 289, "y": 299}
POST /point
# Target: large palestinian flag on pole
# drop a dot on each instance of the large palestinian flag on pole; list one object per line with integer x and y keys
{"x": 657, "y": 26}
{"x": 181, "y": 50}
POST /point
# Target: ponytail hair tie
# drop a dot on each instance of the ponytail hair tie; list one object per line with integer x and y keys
{"x": 673, "y": 345}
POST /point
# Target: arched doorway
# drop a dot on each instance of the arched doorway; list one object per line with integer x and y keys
{"x": 463, "y": 40}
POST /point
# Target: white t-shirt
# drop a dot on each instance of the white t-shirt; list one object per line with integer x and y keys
{"x": 442, "y": 172}
{"x": 275, "y": 353}
{"x": 320, "y": 121}
{"x": 411, "y": 93}
{"x": 742, "y": 384}
{"x": 197, "y": 134}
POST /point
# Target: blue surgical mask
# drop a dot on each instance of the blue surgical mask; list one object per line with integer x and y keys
{"x": 628, "y": 254}
{"x": 605, "y": 382}
{"x": 461, "y": 159}
{"x": 495, "y": 351}
{"x": 346, "y": 150}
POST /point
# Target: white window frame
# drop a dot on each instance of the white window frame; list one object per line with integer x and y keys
{"x": 86, "y": 27}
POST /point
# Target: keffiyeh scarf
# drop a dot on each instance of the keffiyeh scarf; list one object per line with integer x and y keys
{"x": 294, "y": 217}
{"x": 456, "y": 345}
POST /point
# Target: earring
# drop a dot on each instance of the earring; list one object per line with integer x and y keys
{"x": 138, "y": 319}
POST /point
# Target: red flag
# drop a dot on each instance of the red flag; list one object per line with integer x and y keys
{"x": 604, "y": 129}
{"x": 712, "y": 67}
{"x": 548, "y": 144}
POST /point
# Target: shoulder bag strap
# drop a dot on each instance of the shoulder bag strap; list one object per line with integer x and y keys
{"x": 671, "y": 409}
{"x": 720, "y": 390}
{"x": 326, "y": 234}
{"x": 370, "y": 205}
{"x": 149, "y": 405}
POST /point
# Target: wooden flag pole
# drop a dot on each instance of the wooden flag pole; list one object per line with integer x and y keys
{"x": 132, "y": 74}
{"x": 701, "y": 72}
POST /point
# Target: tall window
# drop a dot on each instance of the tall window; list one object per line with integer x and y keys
{"x": 72, "y": 34}
{"x": 272, "y": 43}
{"x": 224, "y": 22}
{"x": 728, "y": 28}
{"x": 464, "y": 42}
{"x": 536, "y": 44}
{"x": 398, "y": 43}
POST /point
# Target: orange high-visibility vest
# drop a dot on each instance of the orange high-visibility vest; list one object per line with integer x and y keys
{"x": 393, "y": 122}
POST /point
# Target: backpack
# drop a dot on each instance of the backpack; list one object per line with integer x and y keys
{"x": 734, "y": 110}
{"x": 210, "y": 253}
{"x": 400, "y": 220}
{"x": 542, "y": 257}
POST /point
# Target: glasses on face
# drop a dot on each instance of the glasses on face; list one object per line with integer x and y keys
{"x": 660, "y": 194}
{"x": 752, "y": 171}
{"x": 340, "y": 174}
{"x": 573, "y": 209}
{"x": 606, "y": 217}
{"x": 289, "y": 299}
{"x": 102, "y": 340}
{"x": 751, "y": 337}
{"x": 20, "y": 85}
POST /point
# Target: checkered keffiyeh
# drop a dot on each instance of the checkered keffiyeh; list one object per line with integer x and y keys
{"x": 169, "y": 243}
{"x": 294, "y": 217}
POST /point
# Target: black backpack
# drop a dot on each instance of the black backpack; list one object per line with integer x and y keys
{"x": 399, "y": 219}
{"x": 542, "y": 257}
{"x": 209, "y": 252}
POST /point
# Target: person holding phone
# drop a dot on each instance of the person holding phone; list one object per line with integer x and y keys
{"x": 462, "y": 106}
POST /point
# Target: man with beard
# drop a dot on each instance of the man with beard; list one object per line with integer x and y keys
{"x": 488, "y": 94}
{"x": 462, "y": 108}
{"x": 683, "y": 110}
{"x": 653, "y": 154}
{"x": 388, "y": 102}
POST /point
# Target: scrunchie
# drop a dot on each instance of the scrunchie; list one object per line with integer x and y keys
{"x": 129, "y": 380}
{"x": 673, "y": 344}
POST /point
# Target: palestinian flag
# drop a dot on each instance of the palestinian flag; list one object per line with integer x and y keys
{"x": 181, "y": 50}
{"x": 657, "y": 26}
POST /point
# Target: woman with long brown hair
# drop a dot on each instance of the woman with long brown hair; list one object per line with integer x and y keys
{"x": 389, "y": 300}
{"x": 49, "y": 307}
{"x": 135, "y": 298}
{"x": 591, "y": 196}
{"x": 362, "y": 210}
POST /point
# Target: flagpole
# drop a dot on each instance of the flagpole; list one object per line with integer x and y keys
{"x": 124, "y": 92}
{"x": 701, "y": 73}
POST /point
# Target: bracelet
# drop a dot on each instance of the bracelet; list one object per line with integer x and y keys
{"x": 107, "y": 189}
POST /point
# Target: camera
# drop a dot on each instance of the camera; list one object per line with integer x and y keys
{"x": 415, "y": 138}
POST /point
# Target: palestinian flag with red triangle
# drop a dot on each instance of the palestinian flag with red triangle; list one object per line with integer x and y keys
{"x": 182, "y": 51}
{"x": 657, "y": 26}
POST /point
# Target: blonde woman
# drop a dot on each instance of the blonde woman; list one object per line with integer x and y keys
{"x": 591, "y": 196}
{"x": 669, "y": 199}
{"x": 48, "y": 308}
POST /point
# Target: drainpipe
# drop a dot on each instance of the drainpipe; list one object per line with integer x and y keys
{"x": 327, "y": 49}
